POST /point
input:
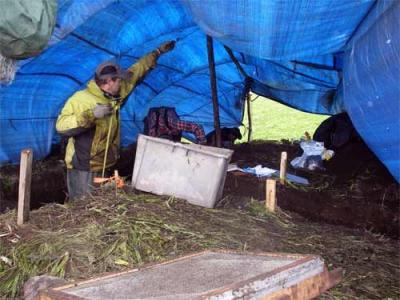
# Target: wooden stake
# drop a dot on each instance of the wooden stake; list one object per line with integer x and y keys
{"x": 270, "y": 195}
{"x": 24, "y": 193}
{"x": 116, "y": 178}
{"x": 283, "y": 167}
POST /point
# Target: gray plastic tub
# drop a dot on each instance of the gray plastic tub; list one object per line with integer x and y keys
{"x": 187, "y": 171}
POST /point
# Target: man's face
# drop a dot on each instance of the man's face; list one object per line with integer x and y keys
{"x": 114, "y": 86}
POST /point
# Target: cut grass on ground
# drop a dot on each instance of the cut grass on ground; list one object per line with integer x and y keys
{"x": 108, "y": 232}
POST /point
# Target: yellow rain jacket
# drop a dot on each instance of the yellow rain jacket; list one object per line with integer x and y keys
{"x": 88, "y": 135}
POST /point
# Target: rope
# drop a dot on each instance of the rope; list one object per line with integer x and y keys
{"x": 236, "y": 62}
{"x": 108, "y": 139}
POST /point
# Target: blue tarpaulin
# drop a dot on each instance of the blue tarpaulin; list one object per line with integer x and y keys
{"x": 323, "y": 56}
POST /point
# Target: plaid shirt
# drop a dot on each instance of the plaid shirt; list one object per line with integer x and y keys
{"x": 174, "y": 127}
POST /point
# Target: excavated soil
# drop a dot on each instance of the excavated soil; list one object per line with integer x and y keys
{"x": 356, "y": 190}
{"x": 110, "y": 231}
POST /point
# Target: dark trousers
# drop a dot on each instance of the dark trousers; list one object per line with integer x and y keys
{"x": 79, "y": 182}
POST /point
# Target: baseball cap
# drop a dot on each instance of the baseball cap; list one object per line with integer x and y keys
{"x": 110, "y": 69}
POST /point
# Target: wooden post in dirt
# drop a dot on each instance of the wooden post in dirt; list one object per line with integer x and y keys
{"x": 24, "y": 192}
{"x": 116, "y": 179}
{"x": 213, "y": 81}
{"x": 270, "y": 195}
{"x": 282, "y": 172}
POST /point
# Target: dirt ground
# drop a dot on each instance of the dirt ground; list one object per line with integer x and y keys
{"x": 356, "y": 190}
{"x": 108, "y": 233}
{"x": 349, "y": 215}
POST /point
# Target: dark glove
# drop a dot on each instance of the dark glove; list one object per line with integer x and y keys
{"x": 102, "y": 110}
{"x": 167, "y": 46}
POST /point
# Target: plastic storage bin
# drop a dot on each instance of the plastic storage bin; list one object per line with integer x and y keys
{"x": 188, "y": 171}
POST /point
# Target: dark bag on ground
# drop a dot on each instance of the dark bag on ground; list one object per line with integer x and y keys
{"x": 336, "y": 131}
{"x": 228, "y": 137}
{"x": 156, "y": 123}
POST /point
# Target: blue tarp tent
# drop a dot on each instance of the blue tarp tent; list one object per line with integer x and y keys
{"x": 322, "y": 56}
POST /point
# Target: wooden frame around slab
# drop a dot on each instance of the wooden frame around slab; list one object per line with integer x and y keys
{"x": 306, "y": 289}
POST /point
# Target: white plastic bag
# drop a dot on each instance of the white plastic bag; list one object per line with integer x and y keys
{"x": 312, "y": 156}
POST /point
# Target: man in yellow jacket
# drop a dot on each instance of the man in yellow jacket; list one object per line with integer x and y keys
{"x": 86, "y": 117}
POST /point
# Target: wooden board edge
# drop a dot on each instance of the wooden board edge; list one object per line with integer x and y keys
{"x": 309, "y": 288}
{"x": 51, "y": 294}
{"x": 58, "y": 293}
{"x": 300, "y": 260}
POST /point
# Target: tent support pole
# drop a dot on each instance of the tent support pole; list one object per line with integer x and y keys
{"x": 213, "y": 82}
{"x": 248, "y": 101}
{"x": 248, "y": 81}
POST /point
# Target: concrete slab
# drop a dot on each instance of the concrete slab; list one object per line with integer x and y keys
{"x": 208, "y": 275}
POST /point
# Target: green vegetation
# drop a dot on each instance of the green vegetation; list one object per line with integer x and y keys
{"x": 274, "y": 121}
{"x": 109, "y": 232}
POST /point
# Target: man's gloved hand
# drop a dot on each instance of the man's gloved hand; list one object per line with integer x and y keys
{"x": 102, "y": 110}
{"x": 167, "y": 46}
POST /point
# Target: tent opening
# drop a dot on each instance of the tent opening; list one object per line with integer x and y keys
{"x": 271, "y": 120}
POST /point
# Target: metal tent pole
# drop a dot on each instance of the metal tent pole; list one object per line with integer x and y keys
{"x": 213, "y": 81}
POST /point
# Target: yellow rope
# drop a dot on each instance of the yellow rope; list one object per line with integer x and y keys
{"x": 108, "y": 140}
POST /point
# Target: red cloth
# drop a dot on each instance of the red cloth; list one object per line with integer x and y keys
{"x": 174, "y": 127}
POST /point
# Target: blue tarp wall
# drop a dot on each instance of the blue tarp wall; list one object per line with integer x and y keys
{"x": 324, "y": 56}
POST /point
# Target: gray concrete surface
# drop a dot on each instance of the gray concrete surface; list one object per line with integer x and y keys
{"x": 191, "y": 277}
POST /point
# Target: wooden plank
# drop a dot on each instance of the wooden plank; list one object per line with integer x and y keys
{"x": 213, "y": 82}
{"x": 116, "y": 179}
{"x": 282, "y": 172}
{"x": 270, "y": 195}
{"x": 24, "y": 192}
{"x": 309, "y": 288}
{"x": 51, "y": 294}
